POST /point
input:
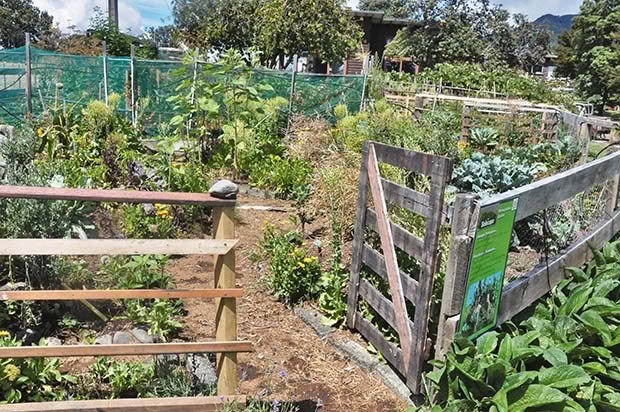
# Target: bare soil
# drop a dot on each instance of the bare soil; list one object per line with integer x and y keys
{"x": 290, "y": 362}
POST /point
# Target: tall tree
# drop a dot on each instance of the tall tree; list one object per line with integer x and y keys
{"x": 473, "y": 31}
{"x": 279, "y": 28}
{"x": 565, "y": 50}
{"x": 392, "y": 8}
{"x": 323, "y": 29}
{"x": 597, "y": 52}
{"x": 18, "y": 17}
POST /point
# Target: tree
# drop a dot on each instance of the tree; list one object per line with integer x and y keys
{"x": 392, "y": 8}
{"x": 323, "y": 29}
{"x": 565, "y": 50}
{"x": 279, "y": 28}
{"x": 597, "y": 53}
{"x": 162, "y": 36}
{"x": 18, "y": 17}
{"x": 472, "y": 31}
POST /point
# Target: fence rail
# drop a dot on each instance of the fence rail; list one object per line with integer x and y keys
{"x": 521, "y": 293}
{"x": 222, "y": 247}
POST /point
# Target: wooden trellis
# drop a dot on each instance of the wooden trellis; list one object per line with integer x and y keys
{"x": 409, "y": 358}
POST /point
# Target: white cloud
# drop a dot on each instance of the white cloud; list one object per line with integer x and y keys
{"x": 78, "y": 13}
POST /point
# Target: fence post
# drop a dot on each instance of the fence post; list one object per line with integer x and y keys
{"x": 292, "y": 95}
{"x": 463, "y": 230}
{"x": 465, "y": 122}
{"x": 28, "y": 76}
{"x": 226, "y": 312}
{"x": 105, "y": 72}
{"x": 194, "y": 78}
{"x": 132, "y": 66}
{"x": 366, "y": 69}
{"x": 613, "y": 184}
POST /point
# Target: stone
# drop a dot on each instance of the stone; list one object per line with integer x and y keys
{"x": 224, "y": 189}
{"x": 143, "y": 336}
{"x": 167, "y": 358}
{"x": 53, "y": 341}
{"x": 103, "y": 340}
{"x": 7, "y": 131}
{"x": 14, "y": 286}
{"x": 123, "y": 338}
{"x": 29, "y": 336}
{"x": 149, "y": 209}
{"x": 201, "y": 367}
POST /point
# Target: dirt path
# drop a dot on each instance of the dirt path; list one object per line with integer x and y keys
{"x": 290, "y": 362}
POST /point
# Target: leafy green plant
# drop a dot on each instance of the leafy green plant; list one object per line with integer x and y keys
{"x": 563, "y": 357}
{"x": 493, "y": 174}
{"x": 30, "y": 380}
{"x": 138, "y": 225}
{"x": 158, "y": 316}
{"x": 287, "y": 176}
{"x": 294, "y": 274}
{"x": 136, "y": 272}
{"x": 485, "y": 138}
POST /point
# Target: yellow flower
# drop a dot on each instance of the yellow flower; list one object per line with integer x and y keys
{"x": 314, "y": 258}
{"x": 301, "y": 265}
{"x": 4, "y": 333}
{"x": 461, "y": 145}
{"x": 12, "y": 372}
{"x": 39, "y": 132}
{"x": 307, "y": 260}
{"x": 162, "y": 211}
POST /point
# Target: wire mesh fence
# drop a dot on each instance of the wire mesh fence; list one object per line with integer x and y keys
{"x": 59, "y": 79}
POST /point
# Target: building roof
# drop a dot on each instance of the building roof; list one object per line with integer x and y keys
{"x": 380, "y": 18}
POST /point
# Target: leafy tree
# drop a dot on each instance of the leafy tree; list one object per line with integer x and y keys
{"x": 162, "y": 36}
{"x": 217, "y": 25}
{"x": 118, "y": 44}
{"x": 596, "y": 34}
{"x": 392, "y": 8}
{"x": 279, "y": 28}
{"x": 473, "y": 31}
{"x": 18, "y": 17}
{"x": 323, "y": 29}
{"x": 565, "y": 50}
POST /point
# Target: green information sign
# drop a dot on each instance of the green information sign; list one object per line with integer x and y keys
{"x": 485, "y": 278}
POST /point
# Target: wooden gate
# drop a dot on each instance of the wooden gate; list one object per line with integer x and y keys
{"x": 409, "y": 358}
{"x": 222, "y": 247}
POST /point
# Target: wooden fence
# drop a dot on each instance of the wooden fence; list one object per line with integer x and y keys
{"x": 410, "y": 357}
{"x": 533, "y": 198}
{"x": 225, "y": 292}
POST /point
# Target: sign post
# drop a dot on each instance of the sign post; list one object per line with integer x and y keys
{"x": 485, "y": 278}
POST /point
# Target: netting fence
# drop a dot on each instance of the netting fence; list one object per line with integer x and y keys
{"x": 60, "y": 79}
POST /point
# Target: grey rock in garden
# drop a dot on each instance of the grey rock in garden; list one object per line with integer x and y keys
{"x": 29, "y": 336}
{"x": 143, "y": 336}
{"x": 123, "y": 338}
{"x": 103, "y": 340}
{"x": 201, "y": 367}
{"x": 6, "y": 130}
{"x": 224, "y": 189}
{"x": 149, "y": 209}
{"x": 167, "y": 358}
{"x": 14, "y": 286}
{"x": 53, "y": 342}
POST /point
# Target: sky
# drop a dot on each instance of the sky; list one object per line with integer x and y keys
{"x": 135, "y": 15}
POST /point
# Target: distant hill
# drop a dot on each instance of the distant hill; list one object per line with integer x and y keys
{"x": 557, "y": 24}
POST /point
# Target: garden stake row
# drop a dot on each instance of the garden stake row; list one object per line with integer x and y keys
{"x": 222, "y": 247}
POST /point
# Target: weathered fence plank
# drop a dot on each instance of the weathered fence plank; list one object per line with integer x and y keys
{"x": 379, "y": 303}
{"x": 403, "y": 239}
{"x": 84, "y": 247}
{"x": 123, "y": 196}
{"x": 120, "y": 294}
{"x": 193, "y": 404}
{"x": 375, "y": 261}
{"x": 555, "y": 189}
{"x": 120, "y": 349}
{"x": 391, "y": 261}
{"x": 388, "y": 350}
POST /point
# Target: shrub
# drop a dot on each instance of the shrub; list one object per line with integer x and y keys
{"x": 563, "y": 357}
{"x": 137, "y": 224}
{"x": 32, "y": 379}
{"x": 158, "y": 316}
{"x": 287, "y": 176}
{"x": 486, "y": 174}
{"x": 294, "y": 274}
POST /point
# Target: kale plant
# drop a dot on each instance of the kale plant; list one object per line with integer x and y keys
{"x": 485, "y": 174}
